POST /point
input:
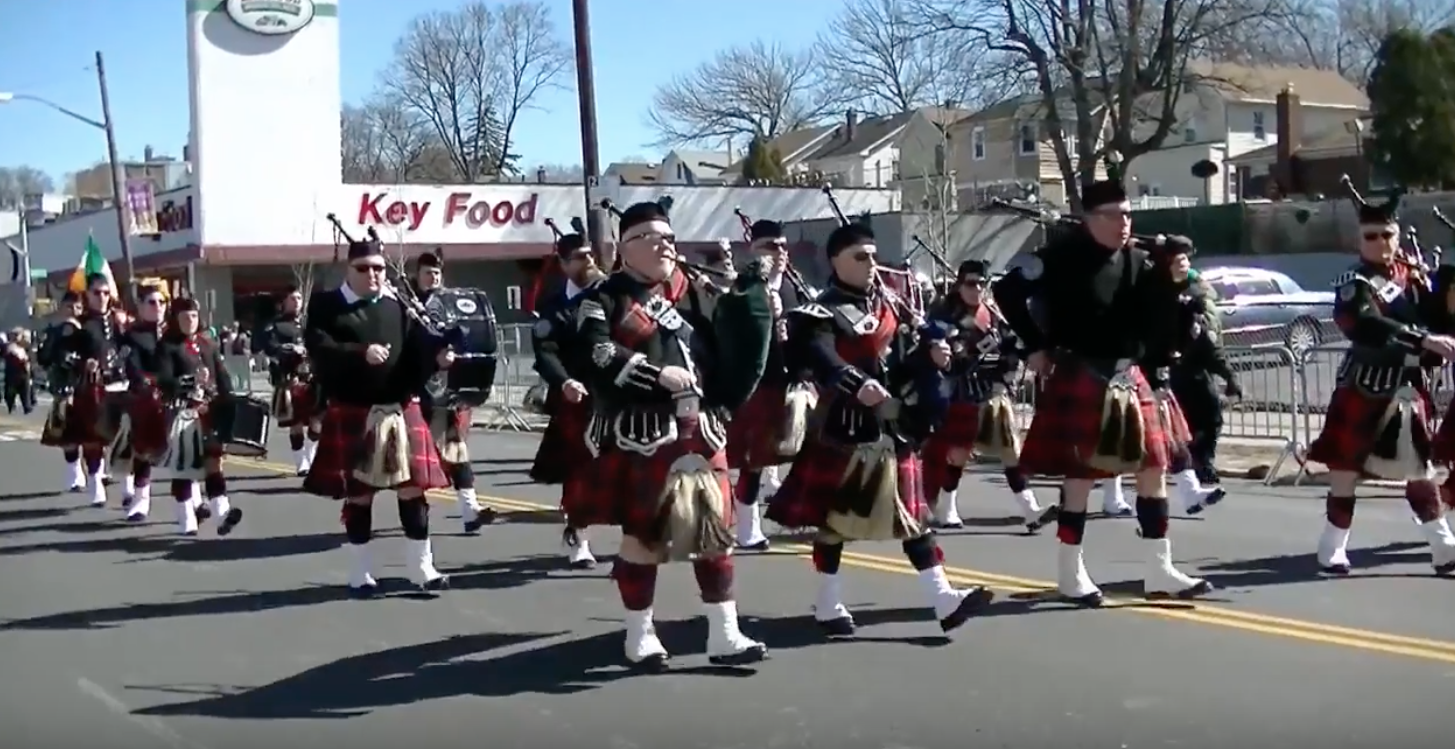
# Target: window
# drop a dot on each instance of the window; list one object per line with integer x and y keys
{"x": 513, "y": 297}
{"x": 1189, "y": 132}
{"x": 977, "y": 144}
{"x": 1028, "y": 140}
{"x": 1257, "y": 287}
{"x": 1259, "y": 131}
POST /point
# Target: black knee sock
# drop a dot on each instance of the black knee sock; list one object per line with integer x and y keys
{"x": 414, "y": 518}
{"x": 358, "y": 523}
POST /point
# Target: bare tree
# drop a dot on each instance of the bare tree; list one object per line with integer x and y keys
{"x": 932, "y": 194}
{"x": 1340, "y": 35}
{"x": 1108, "y": 76}
{"x": 876, "y": 50}
{"x": 304, "y": 277}
{"x": 385, "y": 142}
{"x": 760, "y": 89}
{"x": 17, "y": 182}
{"x": 469, "y": 74}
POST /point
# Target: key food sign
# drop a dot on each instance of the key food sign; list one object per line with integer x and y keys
{"x": 271, "y": 17}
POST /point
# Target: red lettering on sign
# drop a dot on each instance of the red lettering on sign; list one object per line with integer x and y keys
{"x": 379, "y": 210}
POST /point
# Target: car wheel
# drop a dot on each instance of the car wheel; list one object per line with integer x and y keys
{"x": 1303, "y": 336}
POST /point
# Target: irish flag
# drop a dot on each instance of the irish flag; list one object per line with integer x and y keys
{"x": 91, "y": 262}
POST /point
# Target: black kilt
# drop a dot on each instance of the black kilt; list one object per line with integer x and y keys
{"x": 87, "y": 423}
{"x": 341, "y": 444}
{"x": 562, "y": 451}
{"x": 621, "y": 488}
{"x": 757, "y": 428}
{"x": 1067, "y": 425}
{"x": 809, "y": 493}
{"x": 1351, "y": 425}
{"x": 148, "y": 427}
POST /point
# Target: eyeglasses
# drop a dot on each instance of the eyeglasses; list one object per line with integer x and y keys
{"x": 369, "y": 268}
{"x": 1372, "y": 236}
{"x": 653, "y": 238}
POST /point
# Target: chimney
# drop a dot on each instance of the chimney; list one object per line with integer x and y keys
{"x": 1290, "y": 130}
{"x": 851, "y": 124}
{"x": 146, "y": 155}
{"x": 541, "y": 174}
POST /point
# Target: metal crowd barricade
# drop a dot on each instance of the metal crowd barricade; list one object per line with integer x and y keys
{"x": 514, "y": 377}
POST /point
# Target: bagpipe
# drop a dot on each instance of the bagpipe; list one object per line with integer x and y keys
{"x": 922, "y": 389}
{"x": 742, "y": 323}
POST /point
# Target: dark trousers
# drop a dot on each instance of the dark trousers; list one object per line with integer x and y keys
{"x": 1204, "y": 412}
{"x": 20, "y": 391}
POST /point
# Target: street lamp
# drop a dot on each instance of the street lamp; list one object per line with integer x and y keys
{"x": 117, "y": 176}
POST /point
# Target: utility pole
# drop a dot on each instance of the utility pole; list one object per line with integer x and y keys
{"x": 118, "y": 184}
{"x": 590, "y": 147}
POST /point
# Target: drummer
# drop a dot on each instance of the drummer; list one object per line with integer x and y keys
{"x": 293, "y": 401}
{"x": 193, "y": 377}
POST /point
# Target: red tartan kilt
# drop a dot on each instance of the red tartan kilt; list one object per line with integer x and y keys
{"x": 85, "y": 424}
{"x": 757, "y": 428}
{"x": 563, "y": 450}
{"x": 1350, "y": 427}
{"x": 804, "y": 499}
{"x": 340, "y": 444}
{"x": 1177, "y": 428}
{"x": 1067, "y": 425}
{"x": 302, "y": 394}
{"x": 622, "y": 488}
{"x": 148, "y": 425}
{"x": 961, "y": 426}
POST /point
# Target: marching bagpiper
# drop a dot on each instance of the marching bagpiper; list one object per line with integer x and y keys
{"x": 984, "y": 372}
{"x": 141, "y": 442}
{"x": 449, "y": 424}
{"x": 290, "y": 373}
{"x": 562, "y": 362}
{"x": 857, "y": 476}
{"x": 667, "y": 358}
{"x": 84, "y": 351}
{"x": 1103, "y": 346}
{"x": 769, "y": 429}
{"x": 1378, "y": 422}
{"x": 62, "y": 373}
{"x": 372, "y": 357}
{"x": 192, "y": 377}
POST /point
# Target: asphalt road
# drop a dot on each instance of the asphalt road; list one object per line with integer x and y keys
{"x": 118, "y": 636}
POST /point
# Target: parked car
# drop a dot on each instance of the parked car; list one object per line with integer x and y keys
{"x": 1267, "y": 308}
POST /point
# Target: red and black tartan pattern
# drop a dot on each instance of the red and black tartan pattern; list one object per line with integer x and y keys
{"x": 621, "y": 488}
{"x": 302, "y": 394}
{"x": 148, "y": 425}
{"x": 1067, "y": 425}
{"x": 1351, "y": 427}
{"x": 958, "y": 431}
{"x": 86, "y": 422}
{"x": 809, "y": 492}
{"x": 1177, "y": 427}
{"x": 341, "y": 442}
{"x": 563, "y": 451}
{"x": 757, "y": 428}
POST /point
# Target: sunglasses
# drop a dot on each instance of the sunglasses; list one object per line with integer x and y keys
{"x": 863, "y": 257}
{"x": 369, "y": 268}
{"x": 155, "y": 302}
{"x": 975, "y": 282}
{"x": 653, "y": 238}
{"x": 1370, "y": 236}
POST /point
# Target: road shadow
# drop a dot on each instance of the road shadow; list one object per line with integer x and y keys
{"x": 33, "y": 513}
{"x": 358, "y": 685}
{"x": 22, "y": 496}
{"x": 1298, "y": 568}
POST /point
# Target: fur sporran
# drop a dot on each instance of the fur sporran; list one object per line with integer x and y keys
{"x": 55, "y": 420}
{"x": 1402, "y": 445}
{"x": 799, "y": 402}
{"x": 995, "y": 435}
{"x": 444, "y": 426}
{"x": 384, "y": 462}
{"x": 283, "y": 401}
{"x": 1122, "y": 445}
{"x": 697, "y": 510}
{"x": 868, "y": 506}
{"x": 186, "y": 454}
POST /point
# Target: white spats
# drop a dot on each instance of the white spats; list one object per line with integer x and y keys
{"x": 1334, "y": 548}
{"x": 1191, "y": 494}
{"x": 947, "y": 511}
{"x": 1030, "y": 507}
{"x": 128, "y": 485}
{"x": 1442, "y": 544}
{"x": 724, "y": 639}
{"x": 750, "y": 526}
{"x": 769, "y": 484}
{"x": 75, "y": 476}
{"x": 578, "y": 550}
{"x": 310, "y": 449}
{"x": 1113, "y": 499}
{"x": 829, "y": 606}
{"x": 939, "y": 592}
{"x": 220, "y": 505}
{"x": 141, "y": 504}
{"x": 302, "y": 459}
{"x": 419, "y": 561}
{"x": 471, "y": 512}
{"x": 97, "y": 486}
{"x": 1072, "y": 580}
{"x": 1161, "y": 577}
{"x": 642, "y": 644}
{"x": 186, "y": 518}
{"x": 361, "y": 569}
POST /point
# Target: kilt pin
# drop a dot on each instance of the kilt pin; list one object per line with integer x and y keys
{"x": 341, "y": 447}
{"x": 1351, "y": 429}
{"x": 562, "y": 452}
{"x": 958, "y": 432}
{"x": 757, "y": 429}
{"x": 623, "y": 488}
{"x": 813, "y": 485}
{"x": 1067, "y": 425}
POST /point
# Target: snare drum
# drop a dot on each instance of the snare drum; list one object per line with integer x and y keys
{"x": 241, "y": 425}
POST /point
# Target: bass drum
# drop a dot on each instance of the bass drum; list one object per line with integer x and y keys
{"x": 469, "y": 313}
{"x": 241, "y": 424}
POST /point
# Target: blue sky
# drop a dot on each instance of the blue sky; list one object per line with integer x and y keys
{"x": 637, "y": 44}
